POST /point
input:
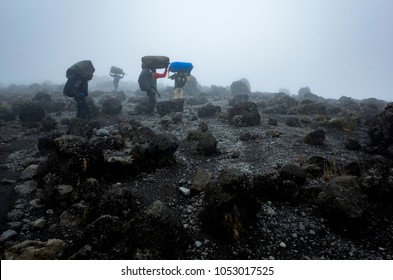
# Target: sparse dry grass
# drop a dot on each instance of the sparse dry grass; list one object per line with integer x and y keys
{"x": 332, "y": 168}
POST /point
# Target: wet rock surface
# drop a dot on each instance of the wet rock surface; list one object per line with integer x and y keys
{"x": 240, "y": 185}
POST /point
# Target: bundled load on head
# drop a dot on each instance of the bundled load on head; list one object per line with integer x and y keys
{"x": 83, "y": 69}
{"x": 116, "y": 73}
{"x": 116, "y": 70}
{"x": 181, "y": 67}
{"x": 154, "y": 62}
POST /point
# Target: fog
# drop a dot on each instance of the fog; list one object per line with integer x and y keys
{"x": 335, "y": 47}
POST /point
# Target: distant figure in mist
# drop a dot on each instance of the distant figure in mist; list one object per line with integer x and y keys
{"x": 116, "y": 73}
{"x": 181, "y": 79}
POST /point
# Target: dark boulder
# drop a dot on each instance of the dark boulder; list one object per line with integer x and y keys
{"x": 111, "y": 106}
{"x": 31, "y": 113}
{"x": 311, "y": 108}
{"x": 208, "y": 111}
{"x": 239, "y": 88}
{"x": 80, "y": 127}
{"x": 156, "y": 153}
{"x": 6, "y": 113}
{"x": 205, "y": 142}
{"x": 112, "y": 142}
{"x": 303, "y": 91}
{"x": 230, "y": 203}
{"x": 316, "y": 137}
{"x": 47, "y": 144}
{"x": 73, "y": 159}
{"x": 342, "y": 200}
{"x": 292, "y": 121}
{"x": 352, "y": 144}
{"x": 104, "y": 231}
{"x": 293, "y": 173}
{"x": 244, "y": 114}
{"x": 170, "y": 106}
{"x": 158, "y": 233}
{"x": 49, "y": 124}
{"x": 238, "y": 99}
{"x": 377, "y": 178}
{"x": 381, "y": 132}
{"x": 42, "y": 97}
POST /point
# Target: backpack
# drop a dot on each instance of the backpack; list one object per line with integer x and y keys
{"x": 145, "y": 80}
{"x": 72, "y": 86}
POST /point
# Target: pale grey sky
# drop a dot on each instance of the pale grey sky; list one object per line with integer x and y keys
{"x": 336, "y": 47}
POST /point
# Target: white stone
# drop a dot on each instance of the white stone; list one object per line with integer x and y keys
{"x": 185, "y": 191}
{"x": 39, "y": 223}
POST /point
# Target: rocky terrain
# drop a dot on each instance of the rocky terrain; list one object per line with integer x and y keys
{"x": 223, "y": 174}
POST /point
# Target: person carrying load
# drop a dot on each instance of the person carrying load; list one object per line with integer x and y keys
{"x": 76, "y": 86}
{"x": 116, "y": 73}
{"x": 182, "y": 71}
{"x": 148, "y": 78}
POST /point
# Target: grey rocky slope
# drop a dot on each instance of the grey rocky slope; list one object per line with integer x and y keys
{"x": 251, "y": 176}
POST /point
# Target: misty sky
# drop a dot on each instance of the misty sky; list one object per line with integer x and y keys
{"x": 336, "y": 47}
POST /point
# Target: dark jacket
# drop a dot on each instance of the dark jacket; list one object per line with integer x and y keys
{"x": 180, "y": 79}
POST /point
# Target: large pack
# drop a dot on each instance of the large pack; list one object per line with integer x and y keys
{"x": 145, "y": 80}
{"x": 83, "y": 69}
{"x": 153, "y": 62}
{"x": 117, "y": 70}
{"x": 182, "y": 67}
{"x": 71, "y": 87}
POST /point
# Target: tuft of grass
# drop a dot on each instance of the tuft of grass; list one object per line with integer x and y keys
{"x": 233, "y": 222}
{"x": 332, "y": 169}
{"x": 4, "y": 106}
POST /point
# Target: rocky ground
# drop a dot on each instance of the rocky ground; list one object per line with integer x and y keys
{"x": 289, "y": 224}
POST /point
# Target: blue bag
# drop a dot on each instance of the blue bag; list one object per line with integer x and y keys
{"x": 178, "y": 66}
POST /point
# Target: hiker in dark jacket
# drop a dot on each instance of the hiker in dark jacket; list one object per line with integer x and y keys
{"x": 79, "y": 87}
{"x": 76, "y": 86}
{"x": 151, "y": 93}
{"x": 181, "y": 79}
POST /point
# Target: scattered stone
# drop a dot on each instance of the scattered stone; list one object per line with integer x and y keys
{"x": 26, "y": 188}
{"x": 185, "y": 191}
{"x": 29, "y": 172}
{"x": 8, "y": 181}
{"x": 8, "y": 234}
{"x": 353, "y": 144}
{"x": 36, "y": 203}
{"x": 52, "y": 249}
{"x": 200, "y": 181}
{"x": 39, "y": 223}
{"x": 316, "y": 137}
